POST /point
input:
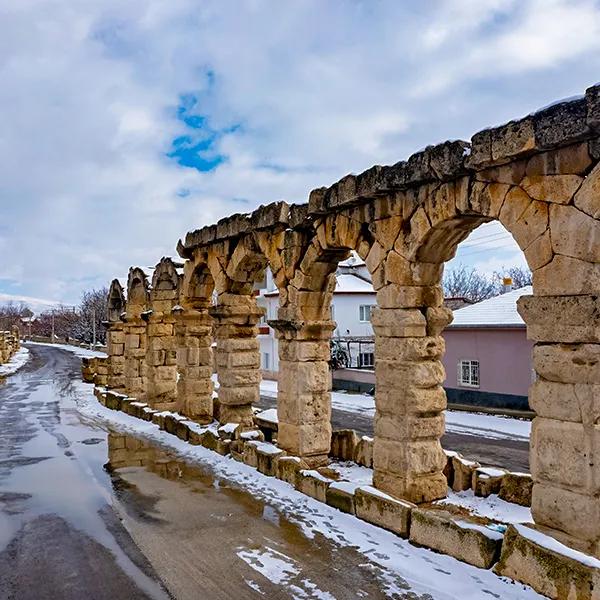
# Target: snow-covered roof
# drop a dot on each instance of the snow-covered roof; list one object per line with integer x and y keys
{"x": 500, "y": 311}
{"x": 347, "y": 283}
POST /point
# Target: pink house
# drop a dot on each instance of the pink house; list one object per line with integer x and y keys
{"x": 488, "y": 355}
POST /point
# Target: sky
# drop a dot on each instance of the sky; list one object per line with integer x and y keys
{"x": 125, "y": 124}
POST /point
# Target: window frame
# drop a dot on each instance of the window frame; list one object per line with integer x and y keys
{"x": 471, "y": 362}
{"x": 361, "y": 310}
{"x": 369, "y": 364}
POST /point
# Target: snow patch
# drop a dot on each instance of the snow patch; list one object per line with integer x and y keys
{"x": 17, "y": 360}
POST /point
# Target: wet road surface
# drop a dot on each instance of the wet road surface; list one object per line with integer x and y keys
{"x": 86, "y": 512}
{"x": 59, "y": 535}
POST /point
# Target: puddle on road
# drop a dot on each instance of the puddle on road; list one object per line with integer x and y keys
{"x": 189, "y": 510}
{"x": 51, "y": 466}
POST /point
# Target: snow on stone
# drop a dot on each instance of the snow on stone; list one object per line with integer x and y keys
{"x": 249, "y": 435}
{"x": 345, "y": 486}
{"x": 267, "y": 448}
{"x": 545, "y": 541}
{"x": 316, "y": 475}
{"x": 17, "y": 360}
{"x": 350, "y": 471}
{"x": 491, "y": 471}
{"x": 492, "y": 507}
{"x": 229, "y": 427}
{"x": 392, "y": 558}
{"x": 269, "y": 415}
{"x": 489, "y": 532}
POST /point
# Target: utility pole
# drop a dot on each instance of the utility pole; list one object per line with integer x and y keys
{"x": 93, "y": 327}
{"x": 52, "y": 334}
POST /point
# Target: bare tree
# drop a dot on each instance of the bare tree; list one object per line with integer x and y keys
{"x": 521, "y": 276}
{"x": 12, "y": 314}
{"x": 92, "y": 311}
{"x": 466, "y": 282}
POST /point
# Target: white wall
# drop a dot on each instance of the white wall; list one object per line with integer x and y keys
{"x": 345, "y": 314}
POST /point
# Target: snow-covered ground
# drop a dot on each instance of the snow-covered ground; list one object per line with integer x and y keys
{"x": 441, "y": 576}
{"x": 17, "y": 360}
{"x": 76, "y": 350}
{"x": 465, "y": 423}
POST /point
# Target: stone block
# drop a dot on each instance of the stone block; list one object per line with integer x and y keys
{"x": 383, "y": 510}
{"x": 574, "y": 512}
{"x": 487, "y": 481}
{"x": 575, "y": 233}
{"x": 288, "y": 468}
{"x": 561, "y": 319}
{"x": 267, "y": 456}
{"x": 567, "y": 276}
{"x": 363, "y": 452}
{"x": 399, "y": 322}
{"x": 516, "y": 488}
{"x": 568, "y": 363}
{"x": 210, "y": 440}
{"x": 467, "y": 541}
{"x": 250, "y": 453}
{"x": 556, "y": 189}
{"x": 313, "y": 484}
{"x": 463, "y": 473}
{"x": 586, "y": 199}
{"x": 340, "y": 495}
{"x": 113, "y": 400}
{"x": 222, "y": 447}
{"x": 549, "y": 567}
{"x": 343, "y": 444}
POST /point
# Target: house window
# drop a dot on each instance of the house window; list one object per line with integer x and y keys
{"x": 364, "y": 312}
{"x": 266, "y": 361}
{"x": 468, "y": 373}
{"x": 366, "y": 359}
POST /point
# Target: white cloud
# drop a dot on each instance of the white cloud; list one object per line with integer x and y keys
{"x": 316, "y": 90}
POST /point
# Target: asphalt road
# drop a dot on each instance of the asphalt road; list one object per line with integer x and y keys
{"x": 82, "y": 518}
{"x": 505, "y": 453}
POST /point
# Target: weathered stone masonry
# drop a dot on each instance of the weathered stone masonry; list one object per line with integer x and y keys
{"x": 539, "y": 176}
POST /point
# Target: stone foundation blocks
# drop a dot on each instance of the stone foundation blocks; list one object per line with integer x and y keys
{"x": 549, "y": 567}
{"x": 340, "y": 495}
{"x": 343, "y": 444}
{"x": 463, "y": 470}
{"x": 382, "y": 510}
{"x": 487, "y": 481}
{"x": 267, "y": 456}
{"x": 467, "y": 541}
{"x": 516, "y": 488}
{"x": 313, "y": 484}
{"x": 288, "y": 468}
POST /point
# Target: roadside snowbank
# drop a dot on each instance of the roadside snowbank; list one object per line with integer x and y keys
{"x": 76, "y": 350}
{"x": 398, "y": 563}
{"x": 17, "y": 360}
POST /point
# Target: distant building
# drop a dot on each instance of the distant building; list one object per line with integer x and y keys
{"x": 488, "y": 356}
{"x": 487, "y": 359}
{"x": 353, "y": 300}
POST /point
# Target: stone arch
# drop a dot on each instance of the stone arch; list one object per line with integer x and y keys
{"x": 137, "y": 292}
{"x": 135, "y": 333}
{"x": 161, "y": 354}
{"x": 198, "y": 285}
{"x": 116, "y": 301}
{"x": 194, "y": 338}
{"x": 304, "y": 327}
{"x": 115, "y": 337}
{"x": 549, "y": 204}
{"x": 165, "y": 277}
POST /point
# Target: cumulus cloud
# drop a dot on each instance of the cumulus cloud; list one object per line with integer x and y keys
{"x": 105, "y": 104}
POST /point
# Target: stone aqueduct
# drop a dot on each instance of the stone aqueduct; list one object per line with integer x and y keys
{"x": 539, "y": 176}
